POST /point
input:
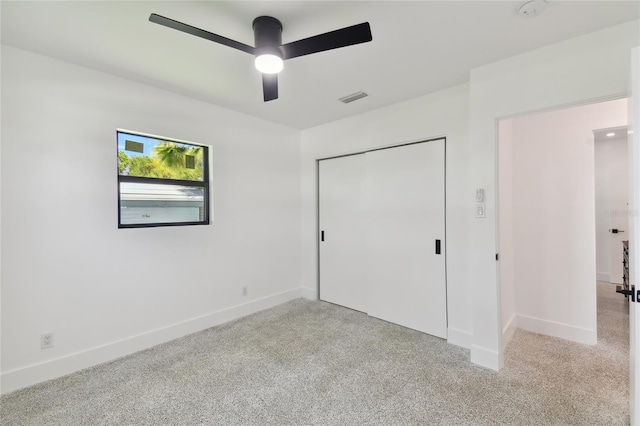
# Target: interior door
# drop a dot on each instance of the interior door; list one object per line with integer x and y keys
{"x": 342, "y": 231}
{"x": 634, "y": 238}
{"x": 405, "y": 198}
{"x": 619, "y": 226}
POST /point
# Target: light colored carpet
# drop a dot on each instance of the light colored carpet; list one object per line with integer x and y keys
{"x": 313, "y": 363}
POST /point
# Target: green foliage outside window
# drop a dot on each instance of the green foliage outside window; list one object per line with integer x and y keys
{"x": 168, "y": 160}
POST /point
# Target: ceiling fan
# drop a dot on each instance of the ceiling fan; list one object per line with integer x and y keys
{"x": 269, "y": 51}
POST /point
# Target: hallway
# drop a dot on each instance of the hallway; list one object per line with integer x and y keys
{"x": 591, "y": 378}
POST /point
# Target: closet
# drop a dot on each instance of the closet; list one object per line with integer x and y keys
{"x": 382, "y": 234}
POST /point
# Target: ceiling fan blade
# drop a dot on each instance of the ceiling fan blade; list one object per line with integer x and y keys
{"x": 270, "y": 86}
{"x": 348, "y": 36}
{"x": 157, "y": 19}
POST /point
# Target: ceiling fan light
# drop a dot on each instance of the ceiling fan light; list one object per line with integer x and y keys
{"x": 269, "y": 64}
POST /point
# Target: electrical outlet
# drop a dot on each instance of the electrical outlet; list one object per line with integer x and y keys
{"x": 46, "y": 340}
{"x": 245, "y": 290}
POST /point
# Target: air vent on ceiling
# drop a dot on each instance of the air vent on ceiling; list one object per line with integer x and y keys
{"x": 353, "y": 97}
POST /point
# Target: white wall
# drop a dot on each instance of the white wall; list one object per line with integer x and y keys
{"x": 505, "y": 216}
{"x": 586, "y": 68}
{"x": 554, "y": 221}
{"x": 104, "y": 291}
{"x": 611, "y": 205}
{"x": 440, "y": 114}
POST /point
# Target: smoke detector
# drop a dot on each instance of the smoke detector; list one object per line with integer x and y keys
{"x": 531, "y": 8}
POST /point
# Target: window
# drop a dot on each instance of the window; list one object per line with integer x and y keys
{"x": 161, "y": 182}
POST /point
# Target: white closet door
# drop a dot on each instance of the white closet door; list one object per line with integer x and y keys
{"x": 404, "y": 198}
{"x": 342, "y": 253}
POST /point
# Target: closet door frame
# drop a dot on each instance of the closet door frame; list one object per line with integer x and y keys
{"x": 318, "y": 230}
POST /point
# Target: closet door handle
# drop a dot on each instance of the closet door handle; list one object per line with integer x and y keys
{"x": 437, "y": 246}
{"x": 321, "y": 235}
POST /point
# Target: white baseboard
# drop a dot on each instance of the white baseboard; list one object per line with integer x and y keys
{"x": 308, "y": 293}
{"x": 508, "y": 330}
{"x": 459, "y": 337}
{"x": 602, "y": 276}
{"x": 486, "y": 358}
{"x": 31, "y": 374}
{"x": 556, "y": 329}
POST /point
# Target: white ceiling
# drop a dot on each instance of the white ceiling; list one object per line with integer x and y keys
{"x": 418, "y": 47}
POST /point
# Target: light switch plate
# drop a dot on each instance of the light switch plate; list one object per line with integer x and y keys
{"x": 480, "y": 211}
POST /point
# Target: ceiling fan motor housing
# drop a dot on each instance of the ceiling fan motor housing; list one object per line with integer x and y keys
{"x": 267, "y": 33}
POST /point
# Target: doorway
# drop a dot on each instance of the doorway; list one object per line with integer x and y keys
{"x": 611, "y": 204}
{"x": 547, "y": 238}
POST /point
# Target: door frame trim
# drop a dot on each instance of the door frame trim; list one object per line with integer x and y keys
{"x": 386, "y": 147}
